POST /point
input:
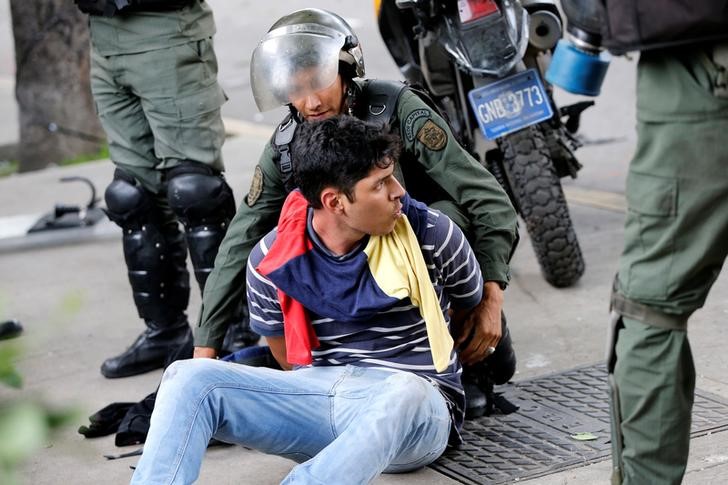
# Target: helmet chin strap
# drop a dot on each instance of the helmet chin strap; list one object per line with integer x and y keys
{"x": 295, "y": 113}
{"x": 350, "y": 97}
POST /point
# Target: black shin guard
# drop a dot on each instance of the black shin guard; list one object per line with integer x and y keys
{"x": 155, "y": 254}
{"x": 204, "y": 202}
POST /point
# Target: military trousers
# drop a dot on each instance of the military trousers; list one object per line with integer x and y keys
{"x": 676, "y": 241}
{"x": 160, "y": 108}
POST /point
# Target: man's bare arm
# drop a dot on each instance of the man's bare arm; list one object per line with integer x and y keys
{"x": 278, "y": 349}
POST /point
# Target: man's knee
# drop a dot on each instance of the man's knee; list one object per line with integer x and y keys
{"x": 189, "y": 375}
{"x": 408, "y": 391}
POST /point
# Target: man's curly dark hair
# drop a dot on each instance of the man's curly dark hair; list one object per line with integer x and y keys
{"x": 339, "y": 152}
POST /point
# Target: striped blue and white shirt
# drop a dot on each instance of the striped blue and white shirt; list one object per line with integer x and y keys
{"x": 395, "y": 339}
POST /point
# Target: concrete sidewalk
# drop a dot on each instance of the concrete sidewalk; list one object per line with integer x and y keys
{"x": 75, "y": 304}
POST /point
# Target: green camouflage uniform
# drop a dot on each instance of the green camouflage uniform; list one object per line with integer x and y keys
{"x": 435, "y": 170}
{"x": 676, "y": 241}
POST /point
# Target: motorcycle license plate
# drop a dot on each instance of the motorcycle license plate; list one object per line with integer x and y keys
{"x": 510, "y": 104}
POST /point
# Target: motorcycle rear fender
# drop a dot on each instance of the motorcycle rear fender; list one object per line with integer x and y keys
{"x": 460, "y": 42}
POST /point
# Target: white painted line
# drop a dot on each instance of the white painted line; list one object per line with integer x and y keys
{"x": 15, "y": 226}
{"x": 596, "y": 198}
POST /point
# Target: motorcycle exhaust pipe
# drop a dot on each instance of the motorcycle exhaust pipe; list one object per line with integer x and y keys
{"x": 544, "y": 30}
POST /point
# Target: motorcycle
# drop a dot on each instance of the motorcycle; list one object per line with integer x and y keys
{"x": 483, "y": 64}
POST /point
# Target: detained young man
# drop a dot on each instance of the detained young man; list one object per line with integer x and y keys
{"x": 352, "y": 291}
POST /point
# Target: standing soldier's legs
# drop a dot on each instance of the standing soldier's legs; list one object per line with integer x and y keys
{"x": 154, "y": 248}
{"x": 156, "y": 255}
{"x": 181, "y": 100}
{"x": 675, "y": 233}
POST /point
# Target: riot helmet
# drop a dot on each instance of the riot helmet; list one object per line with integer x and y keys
{"x": 300, "y": 55}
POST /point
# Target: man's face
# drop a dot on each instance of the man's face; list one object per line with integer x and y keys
{"x": 376, "y": 205}
{"x": 322, "y": 104}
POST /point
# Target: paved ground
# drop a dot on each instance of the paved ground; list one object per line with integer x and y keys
{"x": 75, "y": 303}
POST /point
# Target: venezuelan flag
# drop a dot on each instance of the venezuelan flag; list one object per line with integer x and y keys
{"x": 354, "y": 288}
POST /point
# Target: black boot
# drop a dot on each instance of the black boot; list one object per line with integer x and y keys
{"x": 155, "y": 252}
{"x": 479, "y": 379}
{"x": 149, "y": 351}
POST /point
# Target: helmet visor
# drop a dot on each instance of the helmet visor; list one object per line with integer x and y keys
{"x": 292, "y": 62}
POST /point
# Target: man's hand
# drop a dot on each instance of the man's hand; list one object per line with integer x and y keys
{"x": 482, "y": 326}
{"x": 204, "y": 353}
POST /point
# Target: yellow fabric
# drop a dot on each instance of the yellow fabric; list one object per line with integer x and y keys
{"x": 398, "y": 267}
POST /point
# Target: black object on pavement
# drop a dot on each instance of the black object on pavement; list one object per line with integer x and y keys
{"x": 10, "y": 329}
{"x": 71, "y": 216}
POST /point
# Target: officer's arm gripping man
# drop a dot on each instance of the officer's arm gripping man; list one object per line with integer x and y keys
{"x": 489, "y": 216}
{"x": 225, "y": 287}
{"x": 493, "y": 224}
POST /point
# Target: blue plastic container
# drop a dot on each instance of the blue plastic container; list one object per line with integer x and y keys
{"x": 576, "y": 70}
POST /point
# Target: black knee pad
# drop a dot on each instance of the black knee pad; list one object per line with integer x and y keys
{"x": 204, "y": 203}
{"x": 199, "y": 196}
{"x": 127, "y": 202}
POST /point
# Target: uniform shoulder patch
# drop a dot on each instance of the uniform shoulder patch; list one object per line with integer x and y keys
{"x": 409, "y": 122}
{"x": 256, "y": 187}
{"x": 432, "y": 136}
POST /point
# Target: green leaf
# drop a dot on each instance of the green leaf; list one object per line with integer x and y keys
{"x": 57, "y": 418}
{"x": 8, "y": 374}
{"x": 23, "y": 430}
{"x": 584, "y": 436}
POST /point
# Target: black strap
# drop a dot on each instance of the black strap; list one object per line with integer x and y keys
{"x": 379, "y": 103}
{"x": 282, "y": 143}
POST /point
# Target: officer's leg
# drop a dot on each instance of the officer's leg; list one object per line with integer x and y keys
{"x": 155, "y": 254}
{"x": 478, "y": 379}
{"x": 154, "y": 248}
{"x": 184, "y": 113}
{"x": 675, "y": 234}
{"x": 652, "y": 385}
{"x": 204, "y": 202}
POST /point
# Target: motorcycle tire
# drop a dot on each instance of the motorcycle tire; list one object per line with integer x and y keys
{"x": 539, "y": 199}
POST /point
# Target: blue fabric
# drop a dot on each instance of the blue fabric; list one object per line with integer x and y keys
{"x": 342, "y": 288}
{"x": 394, "y": 339}
{"x": 344, "y": 424}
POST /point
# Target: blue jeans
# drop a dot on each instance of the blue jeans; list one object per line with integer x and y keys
{"x": 342, "y": 424}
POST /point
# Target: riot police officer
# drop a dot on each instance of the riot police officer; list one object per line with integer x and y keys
{"x": 311, "y": 61}
{"x": 154, "y": 81}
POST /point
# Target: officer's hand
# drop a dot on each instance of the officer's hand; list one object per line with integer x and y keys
{"x": 204, "y": 353}
{"x": 481, "y": 330}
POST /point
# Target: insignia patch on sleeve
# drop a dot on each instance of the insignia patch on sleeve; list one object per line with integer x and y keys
{"x": 256, "y": 187}
{"x": 432, "y": 136}
{"x": 409, "y": 122}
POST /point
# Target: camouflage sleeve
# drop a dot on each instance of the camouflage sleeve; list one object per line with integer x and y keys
{"x": 478, "y": 196}
{"x": 256, "y": 216}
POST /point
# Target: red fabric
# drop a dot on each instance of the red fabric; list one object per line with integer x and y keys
{"x": 291, "y": 242}
{"x": 299, "y": 333}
